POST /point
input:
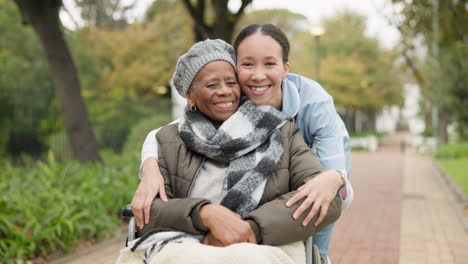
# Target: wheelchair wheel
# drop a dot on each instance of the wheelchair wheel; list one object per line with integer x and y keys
{"x": 316, "y": 255}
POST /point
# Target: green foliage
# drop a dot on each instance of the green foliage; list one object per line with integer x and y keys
{"x": 290, "y": 23}
{"x": 443, "y": 75}
{"x": 457, "y": 169}
{"x": 354, "y": 69}
{"x": 49, "y": 206}
{"x": 359, "y": 149}
{"x": 454, "y": 84}
{"x": 368, "y": 133}
{"x": 453, "y": 151}
{"x": 109, "y": 14}
{"x": 140, "y": 130}
{"x": 29, "y": 113}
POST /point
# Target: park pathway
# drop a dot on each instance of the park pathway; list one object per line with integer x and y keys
{"x": 402, "y": 213}
{"x": 369, "y": 231}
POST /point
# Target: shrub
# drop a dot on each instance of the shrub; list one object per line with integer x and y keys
{"x": 368, "y": 133}
{"x": 138, "y": 133}
{"x": 453, "y": 151}
{"x": 49, "y": 206}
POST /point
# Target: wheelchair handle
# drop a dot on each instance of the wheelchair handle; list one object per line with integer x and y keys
{"x": 127, "y": 211}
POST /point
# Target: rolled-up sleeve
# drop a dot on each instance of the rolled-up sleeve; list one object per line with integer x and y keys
{"x": 330, "y": 140}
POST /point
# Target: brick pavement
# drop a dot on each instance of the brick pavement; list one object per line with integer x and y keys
{"x": 369, "y": 231}
{"x": 432, "y": 230}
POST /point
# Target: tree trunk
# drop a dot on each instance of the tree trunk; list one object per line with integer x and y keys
{"x": 443, "y": 123}
{"x": 224, "y": 21}
{"x": 371, "y": 121}
{"x": 223, "y": 27}
{"x": 350, "y": 120}
{"x": 44, "y": 18}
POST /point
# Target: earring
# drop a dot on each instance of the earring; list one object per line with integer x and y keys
{"x": 193, "y": 108}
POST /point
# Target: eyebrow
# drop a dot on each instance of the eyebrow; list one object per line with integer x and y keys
{"x": 214, "y": 79}
{"x": 251, "y": 58}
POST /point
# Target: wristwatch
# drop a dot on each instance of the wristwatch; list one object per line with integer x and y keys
{"x": 342, "y": 178}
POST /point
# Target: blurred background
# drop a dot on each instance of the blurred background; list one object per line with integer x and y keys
{"x": 83, "y": 81}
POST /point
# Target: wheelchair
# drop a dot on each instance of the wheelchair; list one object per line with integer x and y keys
{"x": 312, "y": 252}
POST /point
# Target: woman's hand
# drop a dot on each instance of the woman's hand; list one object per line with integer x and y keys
{"x": 152, "y": 183}
{"x": 319, "y": 191}
{"x": 226, "y": 227}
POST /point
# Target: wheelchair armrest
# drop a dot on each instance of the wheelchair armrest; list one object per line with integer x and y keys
{"x": 127, "y": 210}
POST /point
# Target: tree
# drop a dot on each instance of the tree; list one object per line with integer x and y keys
{"x": 442, "y": 82}
{"x": 213, "y": 19}
{"x": 108, "y": 14}
{"x": 134, "y": 65}
{"x": 290, "y": 23}
{"x": 43, "y": 16}
{"x": 354, "y": 69}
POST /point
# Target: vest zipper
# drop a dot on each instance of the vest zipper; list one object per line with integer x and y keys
{"x": 195, "y": 178}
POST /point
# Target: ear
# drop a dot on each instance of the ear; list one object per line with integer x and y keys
{"x": 286, "y": 69}
{"x": 190, "y": 97}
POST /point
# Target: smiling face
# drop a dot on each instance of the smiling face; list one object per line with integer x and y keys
{"x": 215, "y": 91}
{"x": 260, "y": 69}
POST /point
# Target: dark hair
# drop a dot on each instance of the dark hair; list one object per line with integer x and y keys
{"x": 268, "y": 30}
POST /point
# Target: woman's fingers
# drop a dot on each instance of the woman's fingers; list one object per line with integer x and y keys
{"x": 311, "y": 214}
{"x": 252, "y": 238}
{"x": 147, "y": 209}
{"x": 162, "y": 191}
{"x": 297, "y": 197}
{"x": 323, "y": 213}
{"x": 305, "y": 204}
{"x": 137, "y": 210}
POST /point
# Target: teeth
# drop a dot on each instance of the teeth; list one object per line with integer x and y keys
{"x": 224, "y": 105}
{"x": 259, "y": 89}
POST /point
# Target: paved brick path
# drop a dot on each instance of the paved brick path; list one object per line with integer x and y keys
{"x": 402, "y": 213}
{"x": 369, "y": 232}
{"x": 432, "y": 228}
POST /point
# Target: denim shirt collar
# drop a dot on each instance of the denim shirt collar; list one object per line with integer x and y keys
{"x": 291, "y": 100}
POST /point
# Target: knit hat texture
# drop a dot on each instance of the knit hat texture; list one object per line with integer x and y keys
{"x": 196, "y": 58}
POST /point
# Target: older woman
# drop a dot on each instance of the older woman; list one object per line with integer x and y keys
{"x": 229, "y": 166}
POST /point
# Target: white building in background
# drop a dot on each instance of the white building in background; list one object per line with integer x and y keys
{"x": 388, "y": 119}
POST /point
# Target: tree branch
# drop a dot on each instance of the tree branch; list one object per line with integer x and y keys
{"x": 409, "y": 61}
{"x": 197, "y": 16}
{"x": 414, "y": 69}
{"x": 239, "y": 13}
{"x": 72, "y": 18}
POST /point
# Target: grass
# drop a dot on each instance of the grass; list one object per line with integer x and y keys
{"x": 453, "y": 151}
{"x": 368, "y": 133}
{"x": 458, "y": 170}
{"x": 359, "y": 148}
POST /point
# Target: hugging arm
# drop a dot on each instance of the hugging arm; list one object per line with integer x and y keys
{"x": 273, "y": 222}
{"x": 151, "y": 181}
{"x": 198, "y": 216}
{"x": 182, "y": 214}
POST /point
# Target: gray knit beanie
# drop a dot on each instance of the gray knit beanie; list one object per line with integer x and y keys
{"x": 196, "y": 58}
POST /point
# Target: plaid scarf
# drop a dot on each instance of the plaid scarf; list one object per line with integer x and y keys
{"x": 250, "y": 141}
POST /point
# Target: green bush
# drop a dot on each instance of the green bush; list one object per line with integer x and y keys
{"x": 138, "y": 133}
{"x": 453, "y": 151}
{"x": 49, "y": 206}
{"x": 368, "y": 133}
{"x": 457, "y": 169}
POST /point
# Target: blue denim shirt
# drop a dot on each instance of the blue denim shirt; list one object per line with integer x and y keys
{"x": 315, "y": 115}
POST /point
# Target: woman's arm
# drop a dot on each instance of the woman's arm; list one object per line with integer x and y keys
{"x": 151, "y": 182}
{"x": 273, "y": 222}
{"x": 323, "y": 127}
{"x": 178, "y": 213}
